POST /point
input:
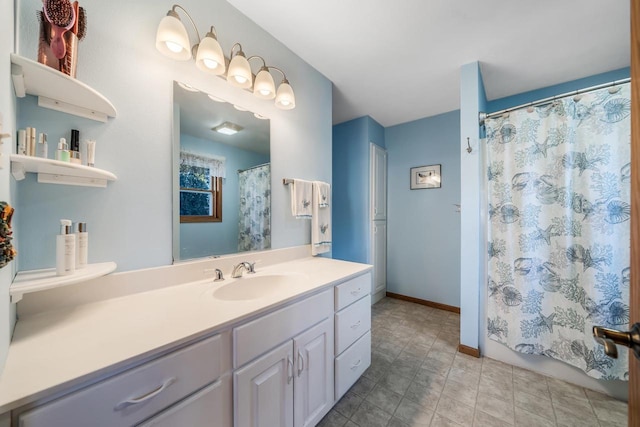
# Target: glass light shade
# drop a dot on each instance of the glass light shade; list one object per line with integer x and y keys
{"x": 239, "y": 73}
{"x": 210, "y": 58}
{"x": 285, "y": 99}
{"x": 264, "y": 87}
{"x": 172, "y": 39}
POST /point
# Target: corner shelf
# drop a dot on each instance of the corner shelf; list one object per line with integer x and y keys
{"x": 57, "y": 91}
{"x": 40, "y": 280}
{"x": 56, "y": 172}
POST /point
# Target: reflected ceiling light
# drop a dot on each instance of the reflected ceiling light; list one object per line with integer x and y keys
{"x": 172, "y": 40}
{"x": 239, "y": 108}
{"x": 215, "y": 98}
{"x": 188, "y": 87}
{"x": 260, "y": 116}
{"x": 227, "y": 128}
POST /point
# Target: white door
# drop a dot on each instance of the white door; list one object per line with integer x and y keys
{"x": 313, "y": 398}
{"x": 378, "y": 182}
{"x": 379, "y": 259}
{"x": 264, "y": 390}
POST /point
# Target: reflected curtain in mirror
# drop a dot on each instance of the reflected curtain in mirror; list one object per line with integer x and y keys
{"x": 254, "y": 224}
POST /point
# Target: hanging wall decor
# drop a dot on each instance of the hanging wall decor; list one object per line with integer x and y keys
{"x": 426, "y": 177}
{"x": 62, "y": 25}
{"x": 7, "y": 251}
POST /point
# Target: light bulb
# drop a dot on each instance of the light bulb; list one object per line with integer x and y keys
{"x": 173, "y": 47}
{"x": 240, "y": 79}
{"x": 210, "y": 63}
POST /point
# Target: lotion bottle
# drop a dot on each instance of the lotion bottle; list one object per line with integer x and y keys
{"x": 62, "y": 153}
{"x": 82, "y": 245}
{"x": 65, "y": 249}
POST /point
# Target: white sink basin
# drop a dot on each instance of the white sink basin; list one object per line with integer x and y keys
{"x": 251, "y": 287}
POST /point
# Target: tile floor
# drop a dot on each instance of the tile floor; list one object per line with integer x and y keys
{"x": 417, "y": 378}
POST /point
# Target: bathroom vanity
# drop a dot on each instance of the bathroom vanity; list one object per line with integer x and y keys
{"x": 276, "y": 348}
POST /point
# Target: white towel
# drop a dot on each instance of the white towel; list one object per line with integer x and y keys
{"x": 322, "y": 191}
{"x": 321, "y": 220}
{"x": 301, "y": 198}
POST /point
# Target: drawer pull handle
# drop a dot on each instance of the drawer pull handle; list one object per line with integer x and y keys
{"x": 356, "y": 292}
{"x": 146, "y": 396}
{"x": 356, "y": 325}
{"x": 300, "y": 363}
{"x": 355, "y": 365}
{"x": 289, "y": 369}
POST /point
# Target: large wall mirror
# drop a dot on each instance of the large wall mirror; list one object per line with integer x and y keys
{"x": 221, "y": 177}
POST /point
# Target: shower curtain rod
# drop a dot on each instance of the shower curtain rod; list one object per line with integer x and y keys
{"x": 483, "y": 116}
{"x": 253, "y": 167}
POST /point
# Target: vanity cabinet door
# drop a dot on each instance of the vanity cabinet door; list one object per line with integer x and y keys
{"x": 264, "y": 390}
{"x": 313, "y": 398}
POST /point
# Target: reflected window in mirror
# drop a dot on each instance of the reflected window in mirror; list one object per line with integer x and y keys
{"x": 200, "y": 188}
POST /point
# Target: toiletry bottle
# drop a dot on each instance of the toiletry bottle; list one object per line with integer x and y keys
{"x": 82, "y": 245}
{"x": 65, "y": 249}
{"x": 22, "y": 142}
{"x": 74, "y": 154}
{"x": 28, "y": 142}
{"x": 91, "y": 152}
{"x": 32, "y": 142}
{"x": 62, "y": 153}
{"x": 41, "y": 149}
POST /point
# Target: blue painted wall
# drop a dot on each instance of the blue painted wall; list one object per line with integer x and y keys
{"x": 351, "y": 215}
{"x": 130, "y": 222}
{"x": 549, "y": 91}
{"x": 204, "y": 239}
{"x": 423, "y": 240}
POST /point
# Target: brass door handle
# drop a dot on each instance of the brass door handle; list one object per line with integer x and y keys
{"x": 610, "y": 337}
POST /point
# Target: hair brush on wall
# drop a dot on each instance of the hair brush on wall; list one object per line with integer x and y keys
{"x": 62, "y": 17}
{"x": 62, "y": 25}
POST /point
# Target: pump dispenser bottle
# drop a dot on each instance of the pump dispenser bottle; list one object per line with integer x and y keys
{"x": 62, "y": 153}
{"x": 82, "y": 245}
{"x": 65, "y": 249}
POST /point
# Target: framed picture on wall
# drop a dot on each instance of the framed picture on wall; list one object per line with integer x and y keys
{"x": 426, "y": 177}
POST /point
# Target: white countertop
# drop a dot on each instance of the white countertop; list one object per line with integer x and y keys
{"x": 56, "y": 350}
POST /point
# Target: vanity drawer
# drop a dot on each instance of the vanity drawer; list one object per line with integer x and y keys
{"x": 134, "y": 395}
{"x": 352, "y": 323}
{"x": 352, "y": 290}
{"x": 351, "y": 364}
{"x": 260, "y": 335}
{"x": 211, "y": 403}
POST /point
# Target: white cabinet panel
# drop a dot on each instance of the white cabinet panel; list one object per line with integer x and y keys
{"x": 378, "y": 183}
{"x": 352, "y": 323}
{"x": 210, "y": 407}
{"x": 256, "y": 337}
{"x": 379, "y": 257}
{"x": 351, "y": 364}
{"x": 264, "y": 390}
{"x": 313, "y": 388}
{"x": 352, "y": 290}
{"x": 134, "y": 395}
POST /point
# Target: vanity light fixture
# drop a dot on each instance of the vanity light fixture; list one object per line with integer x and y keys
{"x": 172, "y": 40}
{"x": 227, "y": 128}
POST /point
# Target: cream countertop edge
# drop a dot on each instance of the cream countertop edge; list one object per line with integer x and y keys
{"x": 58, "y": 350}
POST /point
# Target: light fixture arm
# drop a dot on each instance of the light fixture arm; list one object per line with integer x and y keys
{"x": 284, "y": 76}
{"x": 239, "y": 51}
{"x": 174, "y": 13}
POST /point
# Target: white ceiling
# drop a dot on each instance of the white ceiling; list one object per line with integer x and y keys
{"x": 198, "y": 114}
{"x": 399, "y": 61}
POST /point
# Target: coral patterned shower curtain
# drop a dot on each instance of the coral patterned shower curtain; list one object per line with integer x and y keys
{"x": 558, "y": 249}
{"x": 254, "y": 222}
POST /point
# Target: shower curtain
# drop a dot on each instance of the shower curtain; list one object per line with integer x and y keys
{"x": 254, "y": 222}
{"x": 558, "y": 249}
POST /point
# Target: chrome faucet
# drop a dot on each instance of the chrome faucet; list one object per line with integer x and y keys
{"x": 243, "y": 266}
{"x": 217, "y": 274}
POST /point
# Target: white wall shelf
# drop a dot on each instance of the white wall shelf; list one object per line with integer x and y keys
{"x": 57, "y": 91}
{"x": 56, "y": 172}
{"x": 40, "y": 280}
